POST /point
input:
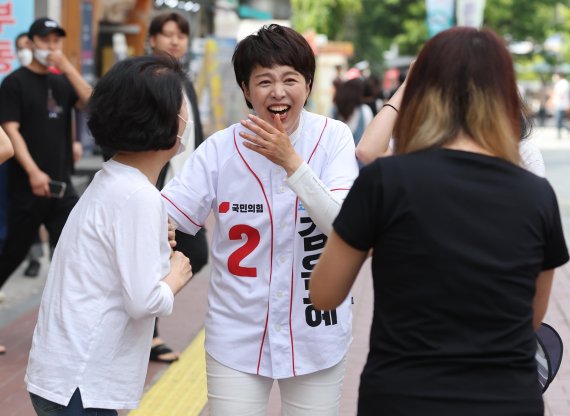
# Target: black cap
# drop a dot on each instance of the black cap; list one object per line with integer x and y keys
{"x": 43, "y": 26}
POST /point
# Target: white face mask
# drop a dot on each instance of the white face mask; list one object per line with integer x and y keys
{"x": 25, "y": 56}
{"x": 41, "y": 56}
{"x": 187, "y": 129}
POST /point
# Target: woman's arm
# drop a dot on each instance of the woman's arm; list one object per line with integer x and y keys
{"x": 322, "y": 205}
{"x": 273, "y": 142}
{"x": 6, "y": 149}
{"x": 375, "y": 141}
{"x": 335, "y": 273}
{"x": 540, "y": 303}
{"x": 376, "y": 138}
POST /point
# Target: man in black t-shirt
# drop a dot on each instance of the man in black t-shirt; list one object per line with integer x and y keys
{"x": 36, "y": 104}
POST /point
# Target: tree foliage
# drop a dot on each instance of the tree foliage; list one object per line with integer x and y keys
{"x": 329, "y": 17}
{"x": 391, "y": 22}
{"x": 521, "y": 19}
{"x": 376, "y": 25}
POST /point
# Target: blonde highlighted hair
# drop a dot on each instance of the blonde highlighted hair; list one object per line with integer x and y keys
{"x": 462, "y": 82}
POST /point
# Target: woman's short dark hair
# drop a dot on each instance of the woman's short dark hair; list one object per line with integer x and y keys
{"x": 273, "y": 45}
{"x": 348, "y": 97}
{"x": 134, "y": 107}
{"x": 158, "y": 22}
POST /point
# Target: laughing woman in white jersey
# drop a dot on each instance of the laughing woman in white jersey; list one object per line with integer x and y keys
{"x": 274, "y": 183}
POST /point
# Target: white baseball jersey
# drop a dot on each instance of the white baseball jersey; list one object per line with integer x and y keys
{"x": 260, "y": 319}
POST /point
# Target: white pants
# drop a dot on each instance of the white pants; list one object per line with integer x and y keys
{"x": 233, "y": 393}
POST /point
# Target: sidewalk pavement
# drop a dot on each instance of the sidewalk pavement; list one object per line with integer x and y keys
{"x": 18, "y": 312}
{"x": 546, "y": 138}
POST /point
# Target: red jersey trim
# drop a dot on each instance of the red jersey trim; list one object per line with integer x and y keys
{"x": 182, "y": 212}
{"x": 293, "y": 268}
{"x": 271, "y": 250}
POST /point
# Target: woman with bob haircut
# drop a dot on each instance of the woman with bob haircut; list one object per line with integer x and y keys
{"x": 465, "y": 243}
{"x": 274, "y": 182}
{"x": 350, "y": 107}
{"x": 112, "y": 271}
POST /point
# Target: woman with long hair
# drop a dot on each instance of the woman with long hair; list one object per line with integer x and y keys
{"x": 465, "y": 243}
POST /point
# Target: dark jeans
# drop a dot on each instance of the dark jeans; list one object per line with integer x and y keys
{"x": 44, "y": 407}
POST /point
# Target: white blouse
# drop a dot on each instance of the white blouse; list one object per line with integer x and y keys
{"x": 102, "y": 294}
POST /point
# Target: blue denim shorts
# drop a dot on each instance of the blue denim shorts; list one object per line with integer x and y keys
{"x": 44, "y": 407}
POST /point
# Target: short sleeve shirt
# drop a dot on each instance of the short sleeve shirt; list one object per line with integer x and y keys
{"x": 42, "y": 104}
{"x": 459, "y": 239}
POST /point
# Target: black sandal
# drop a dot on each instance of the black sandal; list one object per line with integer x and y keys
{"x": 161, "y": 349}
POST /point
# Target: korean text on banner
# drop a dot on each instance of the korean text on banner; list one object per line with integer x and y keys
{"x": 16, "y": 16}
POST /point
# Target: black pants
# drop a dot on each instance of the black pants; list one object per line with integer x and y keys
{"x": 74, "y": 408}
{"x": 26, "y": 212}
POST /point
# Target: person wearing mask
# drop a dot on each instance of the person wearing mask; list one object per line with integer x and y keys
{"x": 23, "y": 49}
{"x": 113, "y": 270}
{"x": 170, "y": 33}
{"x": 464, "y": 243}
{"x": 36, "y": 108}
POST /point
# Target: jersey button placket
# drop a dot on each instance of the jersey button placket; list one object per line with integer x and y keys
{"x": 278, "y": 330}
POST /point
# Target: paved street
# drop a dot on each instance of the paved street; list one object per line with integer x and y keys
{"x": 19, "y": 308}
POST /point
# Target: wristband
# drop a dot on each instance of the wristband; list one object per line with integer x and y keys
{"x": 390, "y": 105}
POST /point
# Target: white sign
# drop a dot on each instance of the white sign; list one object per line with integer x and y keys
{"x": 470, "y": 12}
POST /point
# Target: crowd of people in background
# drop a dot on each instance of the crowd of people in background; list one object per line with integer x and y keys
{"x": 358, "y": 97}
{"x": 450, "y": 202}
{"x": 36, "y": 107}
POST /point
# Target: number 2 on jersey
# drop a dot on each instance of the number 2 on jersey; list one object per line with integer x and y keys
{"x": 251, "y": 242}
